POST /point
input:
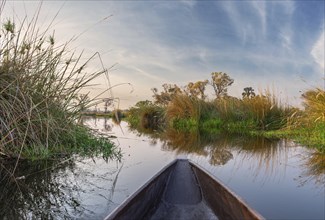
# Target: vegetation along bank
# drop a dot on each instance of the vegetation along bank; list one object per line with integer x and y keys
{"x": 188, "y": 108}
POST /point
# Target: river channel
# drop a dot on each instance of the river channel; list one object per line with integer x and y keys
{"x": 278, "y": 178}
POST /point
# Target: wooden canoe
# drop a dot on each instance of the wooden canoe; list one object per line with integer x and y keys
{"x": 183, "y": 190}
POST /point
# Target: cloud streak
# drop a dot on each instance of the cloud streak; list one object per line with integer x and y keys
{"x": 318, "y": 51}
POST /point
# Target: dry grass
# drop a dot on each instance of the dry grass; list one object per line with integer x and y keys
{"x": 229, "y": 108}
{"x": 267, "y": 110}
{"x": 314, "y": 102}
{"x": 183, "y": 107}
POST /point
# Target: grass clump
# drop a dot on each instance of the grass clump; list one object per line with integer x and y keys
{"x": 314, "y": 103}
{"x": 146, "y": 115}
{"x": 183, "y": 107}
{"x": 306, "y": 126}
{"x": 183, "y": 112}
{"x": 41, "y": 96}
{"x": 213, "y": 125}
{"x": 266, "y": 110}
{"x": 311, "y": 121}
{"x": 185, "y": 124}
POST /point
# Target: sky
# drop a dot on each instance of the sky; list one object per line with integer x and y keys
{"x": 275, "y": 45}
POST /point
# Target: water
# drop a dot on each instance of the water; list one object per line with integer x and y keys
{"x": 280, "y": 179}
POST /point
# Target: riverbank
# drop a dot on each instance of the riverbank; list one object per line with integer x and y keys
{"x": 253, "y": 115}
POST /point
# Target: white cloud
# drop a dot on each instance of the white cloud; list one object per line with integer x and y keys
{"x": 317, "y": 51}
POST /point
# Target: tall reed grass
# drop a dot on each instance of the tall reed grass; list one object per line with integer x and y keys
{"x": 267, "y": 110}
{"x": 311, "y": 121}
{"x": 40, "y": 90}
{"x": 262, "y": 112}
{"x": 146, "y": 115}
{"x": 314, "y": 103}
{"x": 183, "y": 106}
{"x": 229, "y": 108}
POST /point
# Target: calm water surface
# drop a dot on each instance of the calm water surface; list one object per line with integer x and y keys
{"x": 279, "y": 179}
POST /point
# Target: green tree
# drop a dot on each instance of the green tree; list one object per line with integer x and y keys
{"x": 164, "y": 97}
{"x": 248, "y": 93}
{"x": 221, "y": 82}
{"x": 141, "y": 104}
{"x": 196, "y": 89}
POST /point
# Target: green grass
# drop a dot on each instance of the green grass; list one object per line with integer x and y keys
{"x": 241, "y": 127}
{"x": 185, "y": 124}
{"x": 213, "y": 125}
{"x": 81, "y": 141}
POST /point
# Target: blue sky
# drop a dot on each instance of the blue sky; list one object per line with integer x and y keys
{"x": 264, "y": 44}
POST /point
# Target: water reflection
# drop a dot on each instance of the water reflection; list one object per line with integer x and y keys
{"x": 314, "y": 169}
{"x": 277, "y": 177}
{"x": 55, "y": 190}
{"x": 267, "y": 157}
{"x": 39, "y": 194}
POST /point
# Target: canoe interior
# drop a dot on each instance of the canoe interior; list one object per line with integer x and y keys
{"x": 182, "y": 190}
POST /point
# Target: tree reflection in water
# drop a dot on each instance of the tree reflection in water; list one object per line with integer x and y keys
{"x": 77, "y": 188}
{"x": 266, "y": 156}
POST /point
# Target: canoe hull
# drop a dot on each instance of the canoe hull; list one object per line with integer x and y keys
{"x": 225, "y": 203}
{"x": 184, "y": 190}
{"x": 145, "y": 199}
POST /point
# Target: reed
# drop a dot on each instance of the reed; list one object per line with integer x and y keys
{"x": 183, "y": 107}
{"x": 314, "y": 103}
{"x": 146, "y": 115}
{"x": 267, "y": 110}
{"x": 40, "y": 90}
{"x": 308, "y": 125}
{"x": 229, "y": 108}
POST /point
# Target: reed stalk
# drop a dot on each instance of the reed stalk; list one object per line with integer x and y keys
{"x": 41, "y": 90}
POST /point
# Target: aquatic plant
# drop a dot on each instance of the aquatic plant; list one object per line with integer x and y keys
{"x": 229, "y": 108}
{"x": 146, "y": 115}
{"x": 266, "y": 110}
{"x": 314, "y": 103}
{"x": 183, "y": 107}
{"x": 41, "y": 86}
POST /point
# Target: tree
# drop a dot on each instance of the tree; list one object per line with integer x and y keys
{"x": 248, "y": 93}
{"x": 221, "y": 82}
{"x": 196, "y": 89}
{"x": 141, "y": 104}
{"x": 170, "y": 90}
